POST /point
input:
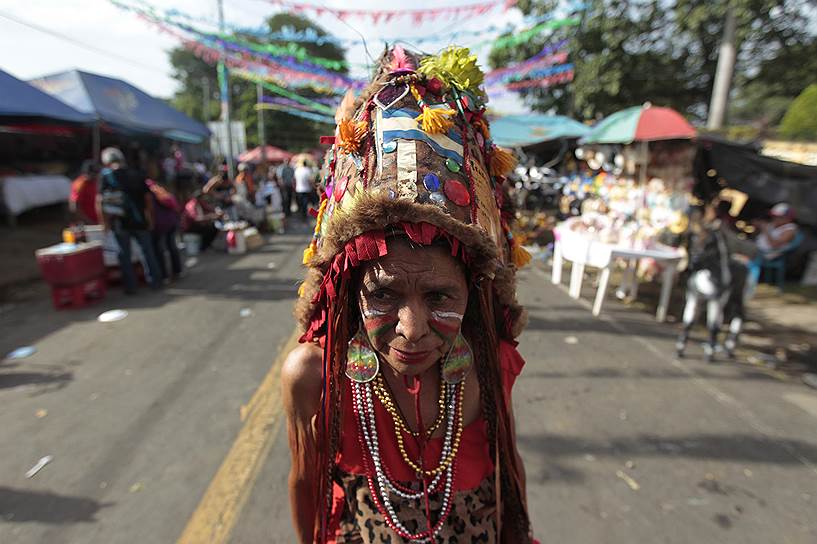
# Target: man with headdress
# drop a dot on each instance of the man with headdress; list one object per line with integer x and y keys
{"x": 398, "y": 401}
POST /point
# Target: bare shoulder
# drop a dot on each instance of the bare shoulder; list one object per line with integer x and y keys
{"x": 301, "y": 377}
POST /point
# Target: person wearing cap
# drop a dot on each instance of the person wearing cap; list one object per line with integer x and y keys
{"x": 125, "y": 206}
{"x": 398, "y": 400}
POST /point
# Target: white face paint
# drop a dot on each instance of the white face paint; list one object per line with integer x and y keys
{"x": 370, "y": 313}
{"x": 446, "y": 315}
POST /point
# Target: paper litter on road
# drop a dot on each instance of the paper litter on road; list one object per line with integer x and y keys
{"x": 39, "y": 466}
{"x": 41, "y": 413}
{"x": 22, "y": 353}
{"x": 245, "y": 312}
{"x": 271, "y": 266}
{"x": 628, "y": 480}
{"x": 571, "y": 340}
{"x": 112, "y": 315}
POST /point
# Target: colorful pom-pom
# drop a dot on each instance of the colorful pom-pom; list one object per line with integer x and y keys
{"x": 519, "y": 255}
{"x": 436, "y": 120}
{"x": 350, "y": 135}
{"x": 502, "y": 161}
{"x": 455, "y": 67}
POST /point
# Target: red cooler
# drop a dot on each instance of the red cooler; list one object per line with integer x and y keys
{"x": 76, "y": 273}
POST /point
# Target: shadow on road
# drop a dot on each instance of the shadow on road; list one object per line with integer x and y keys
{"x": 49, "y": 380}
{"x": 729, "y": 447}
{"x": 635, "y": 374}
{"x": 21, "y": 506}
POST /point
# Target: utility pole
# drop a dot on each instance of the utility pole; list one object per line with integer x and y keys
{"x": 224, "y": 86}
{"x": 723, "y": 73}
{"x": 261, "y": 136}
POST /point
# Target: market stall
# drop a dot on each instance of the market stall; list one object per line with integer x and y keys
{"x": 631, "y": 201}
{"x": 26, "y": 113}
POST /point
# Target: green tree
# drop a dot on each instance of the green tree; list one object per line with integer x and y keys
{"x": 800, "y": 121}
{"x": 627, "y": 52}
{"x": 197, "y": 77}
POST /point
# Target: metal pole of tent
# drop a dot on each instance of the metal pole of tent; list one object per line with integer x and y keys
{"x": 224, "y": 83}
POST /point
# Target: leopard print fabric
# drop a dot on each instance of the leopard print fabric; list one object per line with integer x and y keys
{"x": 471, "y": 519}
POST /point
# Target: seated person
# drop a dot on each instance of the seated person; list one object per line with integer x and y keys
{"x": 777, "y": 235}
{"x": 199, "y": 217}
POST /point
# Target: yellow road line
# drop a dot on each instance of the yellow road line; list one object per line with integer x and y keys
{"x": 217, "y": 512}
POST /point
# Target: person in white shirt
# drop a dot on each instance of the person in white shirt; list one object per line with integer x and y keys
{"x": 304, "y": 187}
{"x": 777, "y": 234}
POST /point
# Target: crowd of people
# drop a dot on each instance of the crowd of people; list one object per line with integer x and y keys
{"x": 130, "y": 206}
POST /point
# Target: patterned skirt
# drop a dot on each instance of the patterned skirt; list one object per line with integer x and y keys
{"x": 472, "y": 517}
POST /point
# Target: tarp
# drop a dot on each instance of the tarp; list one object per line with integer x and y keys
{"x": 121, "y": 105}
{"x": 530, "y": 129}
{"x": 766, "y": 180}
{"x": 21, "y": 101}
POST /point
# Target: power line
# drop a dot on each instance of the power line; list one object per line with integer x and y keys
{"x": 78, "y": 43}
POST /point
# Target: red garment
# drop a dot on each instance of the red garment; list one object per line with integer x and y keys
{"x": 474, "y": 461}
{"x": 83, "y": 195}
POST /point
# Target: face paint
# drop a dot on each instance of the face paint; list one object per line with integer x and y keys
{"x": 377, "y": 326}
{"x": 438, "y": 315}
{"x": 370, "y": 313}
{"x": 446, "y": 329}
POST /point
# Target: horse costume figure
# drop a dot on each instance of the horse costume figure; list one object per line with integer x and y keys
{"x": 717, "y": 280}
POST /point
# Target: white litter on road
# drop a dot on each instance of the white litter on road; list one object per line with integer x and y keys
{"x": 112, "y": 315}
{"x": 39, "y": 466}
{"x": 22, "y": 353}
{"x": 245, "y": 312}
{"x": 628, "y": 480}
{"x": 572, "y": 340}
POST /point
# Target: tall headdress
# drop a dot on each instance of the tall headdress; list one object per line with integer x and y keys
{"x": 413, "y": 154}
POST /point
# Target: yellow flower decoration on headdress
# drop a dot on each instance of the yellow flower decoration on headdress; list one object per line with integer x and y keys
{"x": 455, "y": 67}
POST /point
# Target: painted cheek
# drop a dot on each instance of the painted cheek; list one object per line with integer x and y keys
{"x": 377, "y": 327}
{"x": 445, "y": 329}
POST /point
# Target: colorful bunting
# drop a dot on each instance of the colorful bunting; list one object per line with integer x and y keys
{"x": 417, "y": 16}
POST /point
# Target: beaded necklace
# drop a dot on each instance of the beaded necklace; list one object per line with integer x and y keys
{"x": 381, "y": 483}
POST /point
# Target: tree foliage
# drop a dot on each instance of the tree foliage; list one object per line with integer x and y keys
{"x": 197, "y": 79}
{"x": 627, "y": 52}
{"x": 800, "y": 121}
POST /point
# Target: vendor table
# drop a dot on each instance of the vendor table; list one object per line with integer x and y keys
{"x": 22, "y": 193}
{"x": 583, "y": 251}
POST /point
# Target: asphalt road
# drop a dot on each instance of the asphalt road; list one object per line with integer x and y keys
{"x": 622, "y": 442}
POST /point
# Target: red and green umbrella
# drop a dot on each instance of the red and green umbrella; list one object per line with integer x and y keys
{"x": 645, "y": 123}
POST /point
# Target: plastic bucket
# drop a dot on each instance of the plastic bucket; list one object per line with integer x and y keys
{"x": 192, "y": 244}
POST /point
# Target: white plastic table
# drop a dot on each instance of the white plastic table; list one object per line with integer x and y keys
{"x": 583, "y": 251}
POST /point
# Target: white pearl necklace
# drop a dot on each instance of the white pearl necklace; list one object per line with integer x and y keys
{"x": 364, "y": 408}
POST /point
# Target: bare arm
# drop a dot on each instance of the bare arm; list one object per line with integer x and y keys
{"x": 301, "y": 392}
{"x": 783, "y": 240}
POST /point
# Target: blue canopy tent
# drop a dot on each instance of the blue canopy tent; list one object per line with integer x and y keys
{"x": 20, "y": 101}
{"x": 122, "y": 106}
{"x": 531, "y": 129}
